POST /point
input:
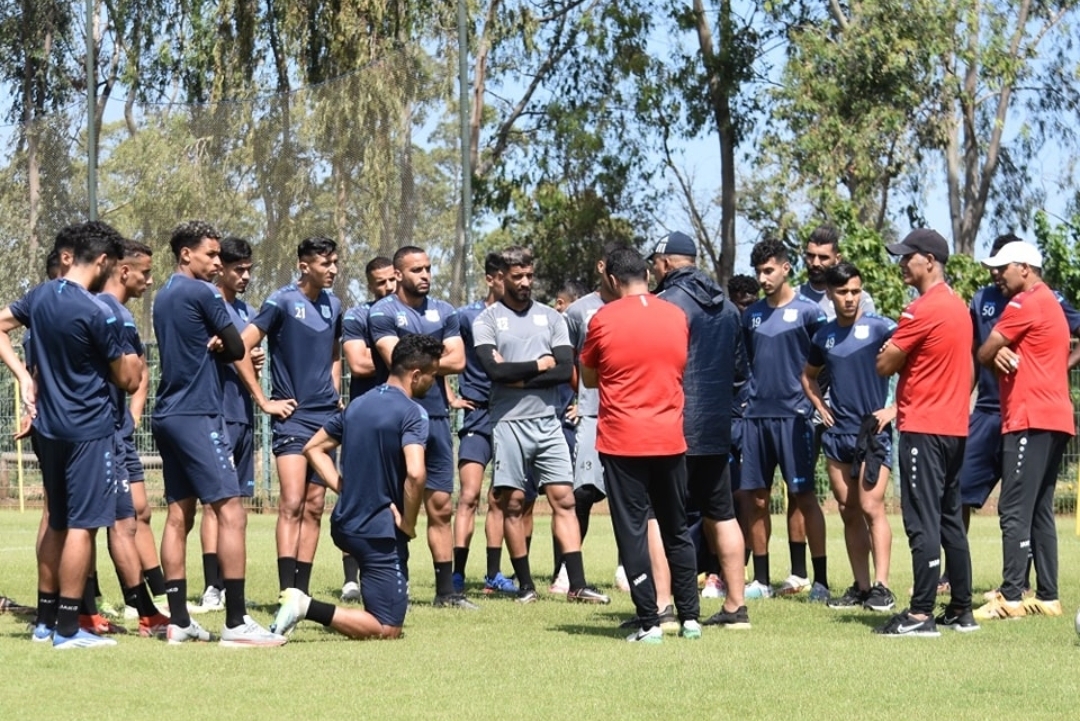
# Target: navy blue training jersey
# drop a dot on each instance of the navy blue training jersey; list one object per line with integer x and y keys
{"x": 987, "y": 305}
{"x": 473, "y": 382}
{"x": 187, "y": 313}
{"x": 354, "y": 326}
{"x": 303, "y": 335}
{"x": 391, "y": 317}
{"x": 238, "y": 407}
{"x": 849, "y": 354}
{"x": 373, "y": 431}
{"x": 75, "y": 338}
{"x": 778, "y": 343}
{"x": 131, "y": 343}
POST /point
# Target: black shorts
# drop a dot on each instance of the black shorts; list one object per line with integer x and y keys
{"x": 708, "y": 480}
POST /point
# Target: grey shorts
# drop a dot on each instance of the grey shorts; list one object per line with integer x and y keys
{"x": 530, "y": 443}
{"x": 587, "y": 468}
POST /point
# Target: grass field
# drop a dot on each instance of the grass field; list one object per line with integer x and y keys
{"x": 553, "y": 660}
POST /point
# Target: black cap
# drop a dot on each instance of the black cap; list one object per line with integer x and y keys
{"x": 922, "y": 240}
{"x": 675, "y": 244}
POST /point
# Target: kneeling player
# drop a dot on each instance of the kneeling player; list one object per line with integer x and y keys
{"x": 382, "y": 436}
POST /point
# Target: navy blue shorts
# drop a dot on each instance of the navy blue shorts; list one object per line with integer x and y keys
{"x": 840, "y": 447}
{"x": 439, "y": 456}
{"x": 735, "y": 452}
{"x": 196, "y": 458}
{"x": 125, "y": 506}
{"x": 474, "y": 437}
{"x": 384, "y": 576}
{"x": 242, "y": 438}
{"x": 132, "y": 462}
{"x": 981, "y": 469}
{"x": 288, "y": 437}
{"x": 787, "y": 443}
{"x": 80, "y": 481}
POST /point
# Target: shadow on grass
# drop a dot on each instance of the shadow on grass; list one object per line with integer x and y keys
{"x": 580, "y": 629}
{"x": 870, "y": 620}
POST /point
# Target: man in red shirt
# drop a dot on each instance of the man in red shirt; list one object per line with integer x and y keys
{"x": 1029, "y": 349}
{"x": 640, "y": 433}
{"x": 931, "y": 350}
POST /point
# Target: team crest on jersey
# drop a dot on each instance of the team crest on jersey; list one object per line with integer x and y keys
{"x": 243, "y": 315}
{"x": 402, "y": 320}
{"x": 502, "y": 323}
{"x": 325, "y": 310}
{"x": 830, "y": 341}
{"x": 539, "y": 319}
{"x": 299, "y": 311}
{"x": 989, "y": 310}
{"x": 862, "y": 332}
{"x": 432, "y": 314}
{"x": 791, "y": 315}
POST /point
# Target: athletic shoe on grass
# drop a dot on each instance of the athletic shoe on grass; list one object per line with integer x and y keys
{"x": 1038, "y": 607}
{"x": 879, "y": 599}
{"x": 851, "y": 598}
{"x": 98, "y": 624}
{"x": 586, "y": 594}
{"x": 738, "y": 620}
{"x": 1000, "y": 608}
{"x": 690, "y": 629}
{"x": 10, "y": 605}
{"x": 793, "y": 585}
{"x": 454, "y": 600}
{"x": 904, "y": 624}
{"x": 527, "y": 595}
{"x": 250, "y": 634}
{"x": 819, "y": 593}
{"x": 350, "y": 591}
{"x": 621, "y": 581}
{"x": 182, "y": 634}
{"x": 714, "y": 587}
{"x": 40, "y": 633}
{"x": 561, "y": 584}
{"x": 81, "y": 639}
{"x": 650, "y": 636}
{"x": 499, "y": 584}
{"x": 962, "y": 621}
{"x": 156, "y": 626}
{"x": 757, "y": 589}
{"x": 212, "y": 599}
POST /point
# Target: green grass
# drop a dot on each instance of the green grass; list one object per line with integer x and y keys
{"x": 553, "y": 660}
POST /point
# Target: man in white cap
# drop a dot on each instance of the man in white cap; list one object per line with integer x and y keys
{"x": 1029, "y": 350}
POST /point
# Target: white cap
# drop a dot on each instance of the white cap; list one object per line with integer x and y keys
{"x": 1017, "y": 251}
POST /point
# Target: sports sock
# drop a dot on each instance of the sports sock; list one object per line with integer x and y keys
{"x": 88, "y": 602}
{"x": 351, "y": 567}
{"x": 444, "y": 582}
{"x": 575, "y": 570}
{"x": 155, "y": 578}
{"x": 67, "y": 616}
{"x": 303, "y": 576}
{"x": 286, "y": 572}
{"x": 176, "y": 593}
{"x": 320, "y": 612}
{"x": 749, "y": 552}
{"x": 761, "y": 569}
{"x": 46, "y": 605}
{"x": 557, "y": 557}
{"x": 821, "y": 570}
{"x": 494, "y": 560}
{"x": 97, "y": 586}
{"x": 144, "y": 603}
{"x": 528, "y": 544}
{"x": 234, "y": 602}
{"x": 461, "y": 558}
{"x": 798, "y": 558}
{"x": 522, "y": 573}
{"x": 211, "y": 570}
{"x": 131, "y": 598}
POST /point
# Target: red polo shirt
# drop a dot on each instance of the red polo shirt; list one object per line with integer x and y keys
{"x": 934, "y": 392}
{"x": 1036, "y": 394}
{"x": 638, "y": 346}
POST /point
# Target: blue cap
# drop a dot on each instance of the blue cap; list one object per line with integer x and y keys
{"x": 675, "y": 244}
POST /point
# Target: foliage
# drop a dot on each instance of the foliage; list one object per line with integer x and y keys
{"x": 1060, "y": 246}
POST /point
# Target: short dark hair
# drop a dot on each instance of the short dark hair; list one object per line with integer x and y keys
{"x": 315, "y": 245}
{"x": 825, "y": 235}
{"x": 191, "y": 235}
{"x": 133, "y": 248}
{"x": 235, "y": 250}
{"x": 768, "y": 249}
{"x": 95, "y": 238}
{"x": 517, "y": 256}
{"x": 52, "y": 264}
{"x": 400, "y": 253}
{"x": 611, "y": 246}
{"x": 573, "y": 289}
{"x": 841, "y": 273}
{"x": 415, "y": 350}
{"x": 495, "y": 263}
{"x": 743, "y": 284}
{"x": 377, "y": 263}
{"x": 626, "y": 264}
{"x": 65, "y": 239}
{"x": 1002, "y": 240}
